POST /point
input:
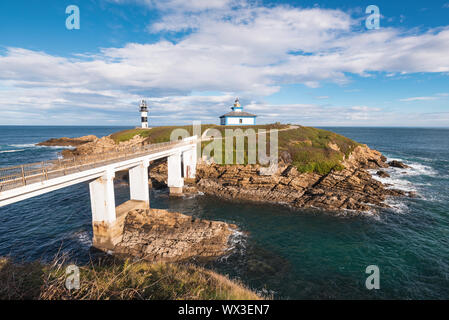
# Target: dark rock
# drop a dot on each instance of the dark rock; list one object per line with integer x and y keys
{"x": 398, "y": 164}
{"x": 286, "y": 157}
{"x": 382, "y": 174}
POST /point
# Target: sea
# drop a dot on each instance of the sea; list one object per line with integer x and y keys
{"x": 280, "y": 252}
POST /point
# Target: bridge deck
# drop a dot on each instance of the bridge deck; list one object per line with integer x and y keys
{"x": 27, "y": 174}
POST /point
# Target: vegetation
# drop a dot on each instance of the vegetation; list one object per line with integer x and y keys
{"x": 153, "y": 135}
{"x": 316, "y": 150}
{"x": 116, "y": 279}
{"x": 310, "y": 149}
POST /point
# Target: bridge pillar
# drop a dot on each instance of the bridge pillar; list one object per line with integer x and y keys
{"x": 102, "y": 198}
{"x": 104, "y": 217}
{"x": 189, "y": 162}
{"x": 175, "y": 181}
{"x": 138, "y": 183}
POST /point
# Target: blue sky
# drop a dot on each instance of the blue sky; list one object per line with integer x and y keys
{"x": 307, "y": 62}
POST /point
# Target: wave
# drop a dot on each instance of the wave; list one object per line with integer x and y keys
{"x": 397, "y": 206}
{"x": 84, "y": 238}
{"x": 237, "y": 244}
{"x": 416, "y": 169}
{"x": 394, "y": 181}
{"x": 9, "y": 151}
{"x": 34, "y": 145}
{"x": 398, "y": 176}
{"x": 24, "y": 145}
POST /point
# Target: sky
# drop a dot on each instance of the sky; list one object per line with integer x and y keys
{"x": 312, "y": 63}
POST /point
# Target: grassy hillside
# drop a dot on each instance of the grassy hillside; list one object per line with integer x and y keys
{"x": 310, "y": 149}
{"x": 315, "y": 150}
{"x": 117, "y": 280}
{"x": 154, "y": 135}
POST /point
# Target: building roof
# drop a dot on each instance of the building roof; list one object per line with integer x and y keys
{"x": 238, "y": 114}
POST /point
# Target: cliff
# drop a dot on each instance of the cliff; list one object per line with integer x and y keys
{"x": 351, "y": 188}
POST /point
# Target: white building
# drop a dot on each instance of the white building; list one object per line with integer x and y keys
{"x": 237, "y": 116}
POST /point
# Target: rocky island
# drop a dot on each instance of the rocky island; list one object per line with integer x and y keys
{"x": 316, "y": 169}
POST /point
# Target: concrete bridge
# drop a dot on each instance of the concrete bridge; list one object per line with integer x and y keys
{"x": 26, "y": 181}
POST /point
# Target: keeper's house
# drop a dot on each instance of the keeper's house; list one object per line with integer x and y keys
{"x": 237, "y": 116}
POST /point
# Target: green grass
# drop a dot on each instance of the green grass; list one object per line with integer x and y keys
{"x": 153, "y": 135}
{"x": 308, "y": 147}
{"x": 116, "y": 279}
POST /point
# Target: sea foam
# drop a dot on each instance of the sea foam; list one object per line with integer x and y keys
{"x": 11, "y": 151}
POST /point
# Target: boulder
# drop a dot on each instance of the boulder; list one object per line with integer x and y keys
{"x": 160, "y": 235}
{"x": 382, "y": 174}
{"x": 398, "y": 164}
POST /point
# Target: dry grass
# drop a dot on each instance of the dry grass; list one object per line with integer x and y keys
{"x": 115, "y": 279}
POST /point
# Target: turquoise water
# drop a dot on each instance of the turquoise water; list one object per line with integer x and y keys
{"x": 287, "y": 253}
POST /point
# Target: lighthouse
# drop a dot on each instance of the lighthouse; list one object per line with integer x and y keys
{"x": 237, "y": 116}
{"x": 144, "y": 114}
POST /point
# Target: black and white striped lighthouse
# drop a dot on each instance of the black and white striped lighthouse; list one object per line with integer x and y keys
{"x": 144, "y": 114}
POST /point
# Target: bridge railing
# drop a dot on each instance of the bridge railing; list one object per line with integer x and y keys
{"x": 22, "y": 175}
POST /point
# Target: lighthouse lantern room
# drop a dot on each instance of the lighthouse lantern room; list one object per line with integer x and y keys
{"x": 144, "y": 114}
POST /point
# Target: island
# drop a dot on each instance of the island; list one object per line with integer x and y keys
{"x": 317, "y": 169}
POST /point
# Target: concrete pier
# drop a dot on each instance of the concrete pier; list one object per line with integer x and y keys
{"x": 138, "y": 183}
{"x": 108, "y": 235}
{"x": 175, "y": 181}
{"x": 189, "y": 163}
{"x": 102, "y": 198}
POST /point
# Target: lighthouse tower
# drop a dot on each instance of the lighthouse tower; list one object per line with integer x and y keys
{"x": 237, "y": 107}
{"x": 144, "y": 114}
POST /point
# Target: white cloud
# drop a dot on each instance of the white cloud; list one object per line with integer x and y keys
{"x": 365, "y": 108}
{"x": 181, "y": 5}
{"x": 425, "y": 98}
{"x": 233, "y": 47}
{"x": 418, "y": 99}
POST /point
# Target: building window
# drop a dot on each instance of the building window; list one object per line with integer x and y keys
{"x": 240, "y": 120}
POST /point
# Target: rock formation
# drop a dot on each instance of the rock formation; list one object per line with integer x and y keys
{"x": 159, "y": 235}
{"x": 101, "y": 145}
{"x": 68, "y": 142}
{"x": 352, "y": 188}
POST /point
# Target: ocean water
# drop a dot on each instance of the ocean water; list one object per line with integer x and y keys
{"x": 286, "y": 253}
